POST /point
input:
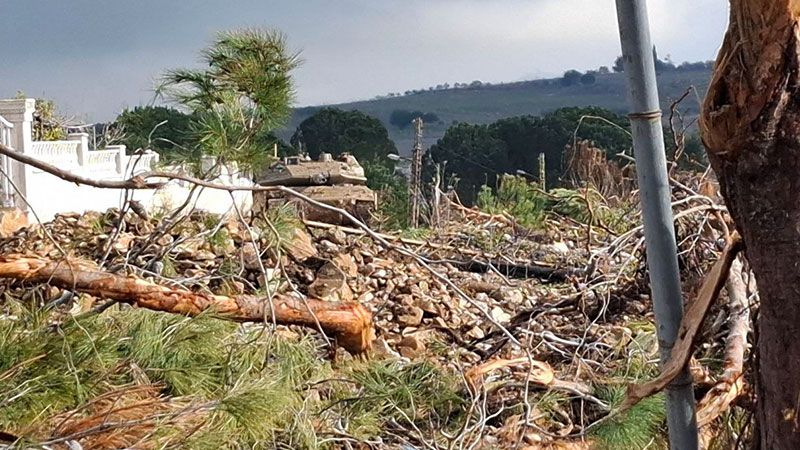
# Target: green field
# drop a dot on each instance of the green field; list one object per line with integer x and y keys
{"x": 489, "y": 103}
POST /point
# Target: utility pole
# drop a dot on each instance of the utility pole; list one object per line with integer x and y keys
{"x": 654, "y": 192}
{"x": 542, "y": 172}
{"x": 415, "y": 188}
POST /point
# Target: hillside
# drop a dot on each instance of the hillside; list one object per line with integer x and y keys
{"x": 487, "y": 104}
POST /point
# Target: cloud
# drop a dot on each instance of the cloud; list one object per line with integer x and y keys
{"x": 95, "y": 56}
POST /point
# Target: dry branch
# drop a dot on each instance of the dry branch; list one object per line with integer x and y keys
{"x": 349, "y": 323}
{"x": 731, "y": 384}
{"x": 690, "y": 325}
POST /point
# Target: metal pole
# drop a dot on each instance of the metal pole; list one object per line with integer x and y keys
{"x": 654, "y": 192}
{"x": 416, "y": 173}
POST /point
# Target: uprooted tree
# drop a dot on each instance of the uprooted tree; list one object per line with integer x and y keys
{"x": 751, "y": 127}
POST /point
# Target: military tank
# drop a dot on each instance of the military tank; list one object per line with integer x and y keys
{"x": 338, "y": 182}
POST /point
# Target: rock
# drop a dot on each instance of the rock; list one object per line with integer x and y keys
{"x": 381, "y": 274}
{"x": 411, "y": 346}
{"x": 559, "y": 247}
{"x": 499, "y": 315}
{"x": 476, "y": 333}
{"x": 346, "y": 263}
{"x": 337, "y": 236}
{"x": 300, "y": 247}
{"x": 250, "y": 256}
{"x": 331, "y": 284}
{"x": 123, "y": 242}
{"x": 512, "y": 296}
{"x": 411, "y": 317}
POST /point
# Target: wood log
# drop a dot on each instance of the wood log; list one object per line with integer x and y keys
{"x": 731, "y": 384}
{"x": 350, "y": 324}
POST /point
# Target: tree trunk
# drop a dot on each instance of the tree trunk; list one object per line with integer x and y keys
{"x": 751, "y": 127}
{"x": 349, "y": 323}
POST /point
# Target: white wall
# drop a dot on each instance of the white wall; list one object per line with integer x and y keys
{"x": 49, "y": 195}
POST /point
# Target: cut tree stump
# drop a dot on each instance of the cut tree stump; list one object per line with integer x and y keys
{"x": 350, "y": 324}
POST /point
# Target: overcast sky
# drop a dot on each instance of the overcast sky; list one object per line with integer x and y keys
{"x": 95, "y": 57}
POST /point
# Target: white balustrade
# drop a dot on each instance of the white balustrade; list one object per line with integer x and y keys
{"x": 59, "y": 153}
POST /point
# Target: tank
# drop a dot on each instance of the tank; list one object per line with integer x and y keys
{"x": 339, "y": 182}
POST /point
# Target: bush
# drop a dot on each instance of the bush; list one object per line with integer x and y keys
{"x": 517, "y": 197}
{"x": 393, "y": 207}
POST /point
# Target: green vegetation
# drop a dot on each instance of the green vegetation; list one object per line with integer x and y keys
{"x": 229, "y": 386}
{"x": 393, "y": 206}
{"x": 335, "y": 131}
{"x": 477, "y": 154}
{"x": 243, "y": 94}
{"x": 164, "y": 130}
{"x": 48, "y": 125}
{"x": 640, "y": 427}
{"x": 402, "y": 118}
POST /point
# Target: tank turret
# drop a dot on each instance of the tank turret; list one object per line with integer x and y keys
{"x": 338, "y": 181}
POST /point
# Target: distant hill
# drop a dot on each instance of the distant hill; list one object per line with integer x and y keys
{"x": 488, "y": 103}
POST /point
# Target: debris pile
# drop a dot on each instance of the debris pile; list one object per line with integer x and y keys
{"x": 545, "y": 327}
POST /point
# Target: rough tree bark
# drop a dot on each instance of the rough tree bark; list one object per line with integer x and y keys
{"x": 349, "y": 323}
{"x": 751, "y": 126}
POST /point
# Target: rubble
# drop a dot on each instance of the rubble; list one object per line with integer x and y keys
{"x": 531, "y": 312}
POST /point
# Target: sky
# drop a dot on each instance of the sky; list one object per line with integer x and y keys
{"x": 96, "y": 57}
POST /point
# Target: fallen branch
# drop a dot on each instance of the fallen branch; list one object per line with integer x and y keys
{"x": 136, "y": 182}
{"x": 731, "y": 384}
{"x": 540, "y": 374}
{"x": 690, "y": 325}
{"x": 349, "y": 323}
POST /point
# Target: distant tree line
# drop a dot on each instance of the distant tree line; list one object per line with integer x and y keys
{"x": 476, "y": 155}
{"x": 666, "y": 65}
{"x": 473, "y": 156}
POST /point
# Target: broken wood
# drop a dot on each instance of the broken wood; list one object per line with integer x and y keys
{"x": 349, "y": 323}
{"x": 690, "y": 325}
{"x": 540, "y": 374}
{"x": 731, "y": 384}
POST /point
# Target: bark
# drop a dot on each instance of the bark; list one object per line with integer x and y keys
{"x": 751, "y": 127}
{"x": 349, "y": 323}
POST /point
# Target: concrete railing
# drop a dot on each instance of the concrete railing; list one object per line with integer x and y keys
{"x": 60, "y": 153}
{"x": 6, "y": 128}
{"x": 48, "y": 195}
{"x": 7, "y": 194}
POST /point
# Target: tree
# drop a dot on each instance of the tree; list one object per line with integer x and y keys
{"x": 618, "y": 66}
{"x": 243, "y": 93}
{"x": 570, "y": 78}
{"x": 588, "y": 78}
{"x": 472, "y": 157}
{"x": 48, "y": 124}
{"x": 477, "y": 154}
{"x": 402, "y": 118}
{"x": 334, "y": 131}
{"x": 165, "y": 130}
{"x": 603, "y": 70}
{"x": 751, "y": 127}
